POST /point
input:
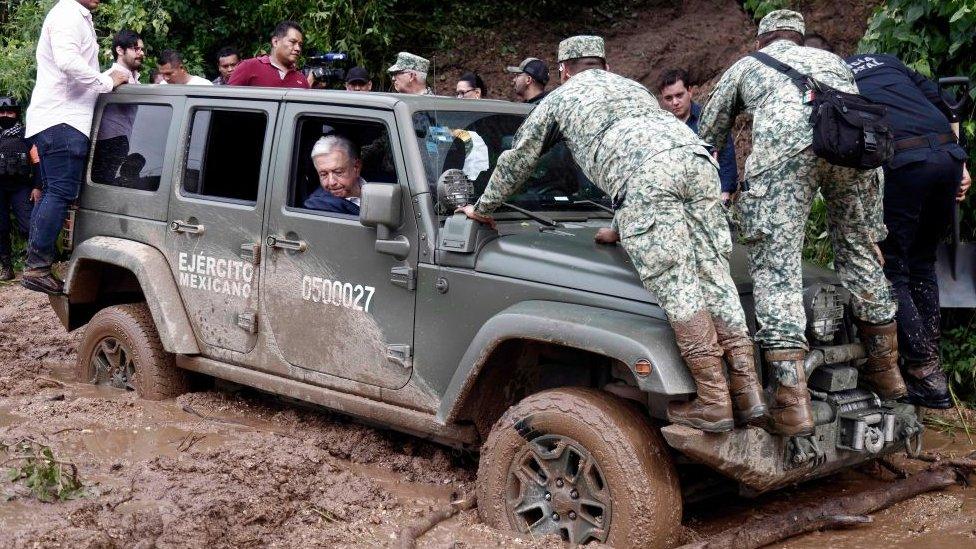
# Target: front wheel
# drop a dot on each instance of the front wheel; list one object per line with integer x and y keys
{"x": 583, "y": 464}
{"x": 121, "y": 348}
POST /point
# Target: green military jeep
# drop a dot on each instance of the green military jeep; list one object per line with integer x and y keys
{"x": 193, "y": 251}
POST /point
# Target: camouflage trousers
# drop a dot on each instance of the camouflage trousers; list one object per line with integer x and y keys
{"x": 674, "y": 229}
{"x": 774, "y": 212}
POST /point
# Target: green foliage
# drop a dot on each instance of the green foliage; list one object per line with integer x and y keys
{"x": 959, "y": 353}
{"x": 759, "y": 8}
{"x": 371, "y": 31}
{"x": 21, "y": 24}
{"x": 47, "y": 478}
{"x": 817, "y": 246}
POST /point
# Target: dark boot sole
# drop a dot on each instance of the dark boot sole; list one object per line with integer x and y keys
{"x": 748, "y": 416}
{"x": 720, "y": 426}
{"x": 28, "y": 283}
{"x": 942, "y": 404}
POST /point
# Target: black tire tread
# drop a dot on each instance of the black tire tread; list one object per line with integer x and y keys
{"x": 628, "y": 438}
{"x": 157, "y": 376}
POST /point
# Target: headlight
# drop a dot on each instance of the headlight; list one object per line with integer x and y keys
{"x": 825, "y": 312}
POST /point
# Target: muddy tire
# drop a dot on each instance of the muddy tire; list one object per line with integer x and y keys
{"x": 583, "y": 464}
{"x": 121, "y": 348}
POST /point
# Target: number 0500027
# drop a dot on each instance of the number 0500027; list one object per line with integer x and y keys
{"x": 334, "y": 292}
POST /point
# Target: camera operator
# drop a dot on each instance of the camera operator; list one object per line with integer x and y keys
{"x": 278, "y": 70}
{"x": 325, "y": 70}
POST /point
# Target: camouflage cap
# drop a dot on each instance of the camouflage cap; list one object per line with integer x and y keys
{"x": 781, "y": 20}
{"x": 407, "y": 61}
{"x": 575, "y": 47}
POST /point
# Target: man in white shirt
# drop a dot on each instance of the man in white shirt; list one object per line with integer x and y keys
{"x": 115, "y": 128}
{"x": 59, "y": 121}
{"x": 171, "y": 67}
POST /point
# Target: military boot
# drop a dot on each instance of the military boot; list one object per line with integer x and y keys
{"x": 927, "y": 384}
{"x": 790, "y": 412}
{"x": 747, "y": 398}
{"x": 880, "y": 371}
{"x": 711, "y": 410}
{"x": 6, "y": 270}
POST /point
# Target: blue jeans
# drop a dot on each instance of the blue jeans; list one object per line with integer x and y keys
{"x": 63, "y": 151}
{"x": 14, "y": 200}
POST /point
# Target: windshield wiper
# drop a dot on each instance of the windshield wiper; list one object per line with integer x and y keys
{"x": 532, "y": 215}
{"x": 607, "y": 209}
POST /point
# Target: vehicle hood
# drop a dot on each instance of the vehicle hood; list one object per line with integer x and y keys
{"x": 570, "y": 258}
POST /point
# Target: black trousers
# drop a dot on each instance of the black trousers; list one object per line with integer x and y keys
{"x": 918, "y": 203}
{"x": 13, "y": 200}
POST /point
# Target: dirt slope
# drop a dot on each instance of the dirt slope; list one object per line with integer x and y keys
{"x": 702, "y": 36}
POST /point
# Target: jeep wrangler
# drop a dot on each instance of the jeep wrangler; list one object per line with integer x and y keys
{"x": 193, "y": 251}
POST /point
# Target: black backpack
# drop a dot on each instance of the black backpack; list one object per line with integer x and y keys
{"x": 848, "y": 129}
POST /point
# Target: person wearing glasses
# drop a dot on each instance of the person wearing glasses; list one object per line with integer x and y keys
{"x": 409, "y": 74}
{"x": 117, "y": 120}
{"x": 471, "y": 86}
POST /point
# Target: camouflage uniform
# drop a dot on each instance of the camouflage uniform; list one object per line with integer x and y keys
{"x": 407, "y": 61}
{"x": 782, "y": 177}
{"x": 671, "y": 223}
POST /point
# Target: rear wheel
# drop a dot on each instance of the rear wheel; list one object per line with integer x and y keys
{"x": 583, "y": 464}
{"x": 121, "y": 348}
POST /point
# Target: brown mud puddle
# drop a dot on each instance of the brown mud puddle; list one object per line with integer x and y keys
{"x": 236, "y": 468}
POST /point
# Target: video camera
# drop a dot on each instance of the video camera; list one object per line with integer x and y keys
{"x": 327, "y": 68}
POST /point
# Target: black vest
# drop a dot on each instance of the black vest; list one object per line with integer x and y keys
{"x": 15, "y": 164}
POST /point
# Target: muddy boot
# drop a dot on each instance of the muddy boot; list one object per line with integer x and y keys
{"x": 880, "y": 371}
{"x": 927, "y": 384}
{"x": 711, "y": 410}
{"x": 747, "y": 399}
{"x": 6, "y": 271}
{"x": 790, "y": 413}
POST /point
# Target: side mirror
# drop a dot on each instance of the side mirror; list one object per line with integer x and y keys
{"x": 380, "y": 207}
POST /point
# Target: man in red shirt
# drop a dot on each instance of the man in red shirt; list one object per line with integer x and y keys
{"x": 278, "y": 70}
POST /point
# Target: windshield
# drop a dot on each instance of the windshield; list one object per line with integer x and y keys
{"x": 472, "y": 142}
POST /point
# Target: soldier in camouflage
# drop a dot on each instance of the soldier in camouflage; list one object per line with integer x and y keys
{"x": 409, "y": 74}
{"x": 665, "y": 187}
{"x": 782, "y": 176}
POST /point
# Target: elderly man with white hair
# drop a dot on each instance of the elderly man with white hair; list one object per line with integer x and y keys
{"x": 409, "y": 74}
{"x": 338, "y": 165}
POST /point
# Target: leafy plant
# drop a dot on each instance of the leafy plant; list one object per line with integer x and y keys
{"x": 47, "y": 478}
{"x": 760, "y": 8}
{"x": 817, "y": 246}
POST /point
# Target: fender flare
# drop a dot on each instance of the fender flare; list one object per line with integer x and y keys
{"x": 623, "y": 336}
{"x": 153, "y": 272}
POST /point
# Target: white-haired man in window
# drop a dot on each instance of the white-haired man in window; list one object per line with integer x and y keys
{"x": 338, "y": 165}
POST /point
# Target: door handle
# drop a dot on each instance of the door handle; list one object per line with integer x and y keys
{"x": 285, "y": 244}
{"x": 180, "y": 226}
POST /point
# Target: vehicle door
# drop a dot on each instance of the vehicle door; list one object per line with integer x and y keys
{"x": 216, "y": 215}
{"x": 334, "y": 304}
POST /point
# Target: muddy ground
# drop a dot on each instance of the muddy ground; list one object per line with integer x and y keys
{"x": 230, "y": 467}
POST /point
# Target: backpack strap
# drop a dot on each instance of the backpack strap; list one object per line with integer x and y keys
{"x": 802, "y": 81}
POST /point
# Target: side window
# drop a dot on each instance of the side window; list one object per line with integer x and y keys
{"x": 348, "y": 155}
{"x": 130, "y": 145}
{"x": 223, "y": 158}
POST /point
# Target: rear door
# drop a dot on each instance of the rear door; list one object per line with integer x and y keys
{"x": 334, "y": 304}
{"x": 215, "y": 217}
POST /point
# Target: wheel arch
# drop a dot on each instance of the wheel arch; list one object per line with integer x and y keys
{"x": 107, "y": 271}
{"x": 621, "y": 337}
